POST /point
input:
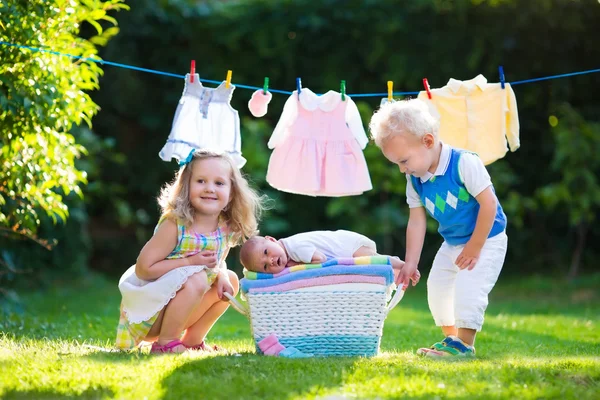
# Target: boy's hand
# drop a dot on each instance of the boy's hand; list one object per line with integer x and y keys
{"x": 207, "y": 258}
{"x": 398, "y": 264}
{"x": 469, "y": 256}
{"x": 416, "y": 277}
{"x": 224, "y": 286}
{"x": 408, "y": 272}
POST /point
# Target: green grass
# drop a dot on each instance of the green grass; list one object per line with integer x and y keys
{"x": 540, "y": 340}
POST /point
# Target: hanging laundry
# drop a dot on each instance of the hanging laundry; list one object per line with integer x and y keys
{"x": 259, "y": 103}
{"x": 318, "y": 144}
{"x": 204, "y": 119}
{"x": 477, "y": 116}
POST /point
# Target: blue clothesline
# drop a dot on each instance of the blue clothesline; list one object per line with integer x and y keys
{"x": 153, "y": 71}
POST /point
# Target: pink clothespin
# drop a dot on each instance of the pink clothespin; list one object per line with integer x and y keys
{"x": 192, "y": 70}
{"x": 426, "y": 85}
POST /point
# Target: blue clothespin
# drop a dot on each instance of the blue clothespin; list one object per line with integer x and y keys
{"x": 501, "y": 72}
{"x": 298, "y": 86}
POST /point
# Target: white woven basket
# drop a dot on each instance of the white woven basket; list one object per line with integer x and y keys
{"x": 323, "y": 321}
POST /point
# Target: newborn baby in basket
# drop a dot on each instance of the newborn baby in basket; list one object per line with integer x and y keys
{"x": 269, "y": 255}
{"x": 333, "y": 304}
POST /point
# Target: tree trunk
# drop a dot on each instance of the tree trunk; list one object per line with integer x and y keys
{"x": 579, "y": 246}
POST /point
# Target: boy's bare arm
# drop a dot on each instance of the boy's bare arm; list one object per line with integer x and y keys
{"x": 485, "y": 220}
{"x": 415, "y": 236}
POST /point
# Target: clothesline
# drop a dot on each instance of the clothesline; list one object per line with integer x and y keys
{"x": 157, "y": 72}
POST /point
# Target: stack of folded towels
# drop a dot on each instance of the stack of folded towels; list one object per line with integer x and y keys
{"x": 334, "y": 308}
{"x": 368, "y": 269}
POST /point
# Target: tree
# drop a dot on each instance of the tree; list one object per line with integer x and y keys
{"x": 42, "y": 96}
{"x": 577, "y": 192}
{"x": 365, "y": 43}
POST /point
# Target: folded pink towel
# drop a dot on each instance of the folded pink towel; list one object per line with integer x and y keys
{"x": 270, "y": 345}
{"x": 274, "y": 350}
{"x": 268, "y": 342}
{"x": 320, "y": 281}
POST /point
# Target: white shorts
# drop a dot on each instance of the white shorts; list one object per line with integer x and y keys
{"x": 459, "y": 297}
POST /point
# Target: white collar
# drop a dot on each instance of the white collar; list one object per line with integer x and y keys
{"x": 443, "y": 163}
{"x": 326, "y": 102}
{"x": 479, "y": 81}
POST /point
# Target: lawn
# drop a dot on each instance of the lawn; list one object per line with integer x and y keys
{"x": 540, "y": 340}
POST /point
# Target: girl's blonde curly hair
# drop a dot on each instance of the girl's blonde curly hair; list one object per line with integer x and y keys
{"x": 241, "y": 214}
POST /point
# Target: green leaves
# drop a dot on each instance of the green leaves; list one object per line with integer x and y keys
{"x": 576, "y": 161}
{"x": 42, "y": 96}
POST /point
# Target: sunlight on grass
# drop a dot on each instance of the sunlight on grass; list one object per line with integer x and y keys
{"x": 414, "y": 377}
{"x": 60, "y": 346}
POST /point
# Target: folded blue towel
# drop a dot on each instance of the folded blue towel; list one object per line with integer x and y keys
{"x": 362, "y": 260}
{"x": 292, "y": 352}
{"x": 372, "y": 270}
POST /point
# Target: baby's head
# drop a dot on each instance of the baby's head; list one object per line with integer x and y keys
{"x": 263, "y": 254}
{"x": 407, "y": 134}
{"x": 211, "y": 184}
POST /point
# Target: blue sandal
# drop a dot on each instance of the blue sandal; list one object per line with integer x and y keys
{"x": 451, "y": 346}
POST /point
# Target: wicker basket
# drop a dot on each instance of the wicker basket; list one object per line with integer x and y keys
{"x": 333, "y": 320}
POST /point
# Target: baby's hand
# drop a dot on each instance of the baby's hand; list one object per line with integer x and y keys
{"x": 318, "y": 257}
{"x": 207, "y": 258}
{"x": 397, "y": 263}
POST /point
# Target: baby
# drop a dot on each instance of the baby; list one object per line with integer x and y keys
{"x": 267, "y": 254}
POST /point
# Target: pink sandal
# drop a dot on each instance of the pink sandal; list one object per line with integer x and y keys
{"x": 167, "y": 348}
{"x": 202, "y": 346}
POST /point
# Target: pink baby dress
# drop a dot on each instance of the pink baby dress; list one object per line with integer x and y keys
{"x": 318, "y": 144}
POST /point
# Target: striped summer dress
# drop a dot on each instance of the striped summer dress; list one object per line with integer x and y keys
{"x": 143, "y": 300}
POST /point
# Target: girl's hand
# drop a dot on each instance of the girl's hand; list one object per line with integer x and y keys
{"x": 224, "y": 286}
{"x": 206, "y": 258}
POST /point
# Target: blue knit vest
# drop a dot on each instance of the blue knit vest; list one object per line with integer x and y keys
{"x": 448, "y": 201}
